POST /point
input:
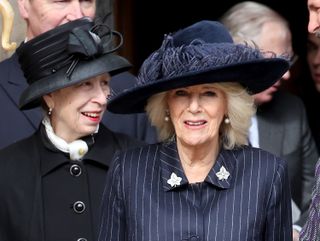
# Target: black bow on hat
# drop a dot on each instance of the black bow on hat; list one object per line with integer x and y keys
{"x": 67, "y": 55}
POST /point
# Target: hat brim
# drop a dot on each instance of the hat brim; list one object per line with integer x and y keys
{"x": 255, "y": 76}
{"x": 85, "y": 69}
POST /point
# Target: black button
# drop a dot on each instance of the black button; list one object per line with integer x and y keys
{"x": 75, "y": 170}
{"x": 79, "y": 207}
{"x": 81, "y": 239}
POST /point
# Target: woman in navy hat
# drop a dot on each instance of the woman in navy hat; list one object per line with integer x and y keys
{"x": 202, "y": 182}
{"x": 51, "y": 184}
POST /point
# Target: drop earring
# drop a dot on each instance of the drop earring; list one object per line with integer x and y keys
{"x": 167, "y": 118}
{"x": 49, "y": 111}
{"x": 226, "y": 120}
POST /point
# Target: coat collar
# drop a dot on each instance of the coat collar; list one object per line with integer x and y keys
{"x": 171, "y": 168}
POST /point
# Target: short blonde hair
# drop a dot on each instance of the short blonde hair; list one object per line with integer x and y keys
{"x": 240, "y": 110}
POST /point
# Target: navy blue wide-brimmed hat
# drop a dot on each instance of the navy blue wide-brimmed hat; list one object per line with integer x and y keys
{"x": 201, "y": 53}
{"x": 67, "y": 55}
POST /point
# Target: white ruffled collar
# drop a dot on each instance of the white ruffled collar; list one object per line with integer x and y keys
{"x": 76, "y": 149}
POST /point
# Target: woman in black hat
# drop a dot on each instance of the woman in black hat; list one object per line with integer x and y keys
{"x": 202, "y": 182}
{"x": 51, "y": 184}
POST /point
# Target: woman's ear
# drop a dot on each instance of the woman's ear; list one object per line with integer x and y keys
{"x": 48, "y": 100}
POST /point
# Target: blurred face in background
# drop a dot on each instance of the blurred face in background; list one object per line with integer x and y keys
{"x": 44, "y": 15}
{"x": 314, "y": 17}
{"x": 274, "y": 37}
{"x": 313, "y": 58}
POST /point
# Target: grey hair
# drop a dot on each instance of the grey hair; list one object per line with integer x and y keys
{"x": 240, "y": 110}
{"x": 246, "y": 19}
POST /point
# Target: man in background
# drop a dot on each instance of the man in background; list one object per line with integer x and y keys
{"x": 280, "y": 125}
{"x": 311, "y": 229}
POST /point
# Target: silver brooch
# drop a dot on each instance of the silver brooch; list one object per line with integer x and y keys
{"x": 174, "y": 180}
{"x": 223, "y": 174}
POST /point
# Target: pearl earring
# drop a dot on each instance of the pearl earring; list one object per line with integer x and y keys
{"x": 166, "y": 118}
{"x": 50, "y": 111}
{"x": 226, "y": 120}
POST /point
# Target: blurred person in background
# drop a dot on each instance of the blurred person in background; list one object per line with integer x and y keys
{"x": 310, "y": 85}
{"x": 311, "y": 229}
{"x": 280, "y": 125}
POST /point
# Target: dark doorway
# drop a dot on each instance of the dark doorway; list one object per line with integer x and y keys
{"x": 144, "y": 22}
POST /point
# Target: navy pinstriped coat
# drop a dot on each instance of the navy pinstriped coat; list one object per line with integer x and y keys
{"x": 253, "y": 203}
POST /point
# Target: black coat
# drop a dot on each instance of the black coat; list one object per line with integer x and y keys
{"x": 26, "y": 167}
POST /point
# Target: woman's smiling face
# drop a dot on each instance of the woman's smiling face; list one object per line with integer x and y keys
{"x": 196, "y": 113}
{"x": 77, "y": 110}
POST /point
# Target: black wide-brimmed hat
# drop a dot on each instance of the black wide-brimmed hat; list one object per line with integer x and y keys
{"x": 201, "y": 53}
{"x": 67, "y": 55}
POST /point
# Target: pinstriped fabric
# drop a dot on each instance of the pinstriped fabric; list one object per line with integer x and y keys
{"x": 252, "y": 204}
{"x": 311, "y": 230}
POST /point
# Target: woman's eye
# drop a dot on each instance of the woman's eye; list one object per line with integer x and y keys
{"x": 181, "y": 93}
{"x": 105, "y": 82}
{"x": 61, "y": 1}
{"x": 84, "y": 84}
{"x": 209, "y": 93}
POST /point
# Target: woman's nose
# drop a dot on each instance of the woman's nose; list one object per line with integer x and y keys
{"x": 194, "y": 105}
{"x": 100, "y": 96}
